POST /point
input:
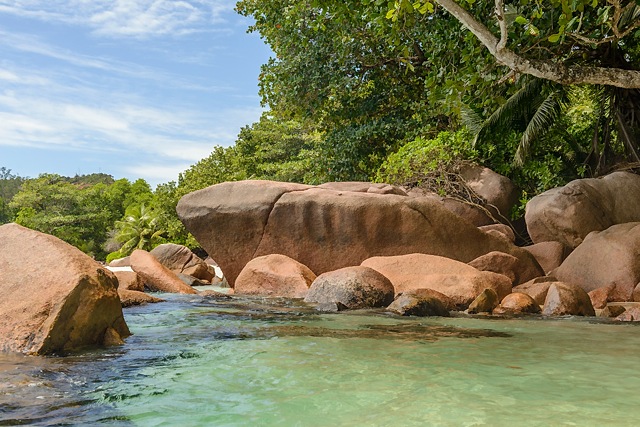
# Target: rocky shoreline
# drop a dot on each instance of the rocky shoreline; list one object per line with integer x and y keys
{"x": 342, "y": 246}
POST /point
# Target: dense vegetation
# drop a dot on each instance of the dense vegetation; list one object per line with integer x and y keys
{"x": 542, "y": 92}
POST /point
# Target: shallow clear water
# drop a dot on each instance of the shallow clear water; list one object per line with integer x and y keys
{"x": 193, "y": 361}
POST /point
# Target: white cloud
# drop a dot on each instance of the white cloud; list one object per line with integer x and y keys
{"x": 127, "y": 18}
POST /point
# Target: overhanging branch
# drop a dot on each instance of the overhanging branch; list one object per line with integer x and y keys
{"x": 548, "y": 70}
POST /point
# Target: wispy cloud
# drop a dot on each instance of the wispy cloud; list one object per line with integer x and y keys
{"x": 127, "y": 18}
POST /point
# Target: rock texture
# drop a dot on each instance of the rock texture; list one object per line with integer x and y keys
{"x": 501, "y": 230}
{"x": 601, "y": 296}
{"x": 415, "y": 303}
{"x": 610, "y": 257}
{"x": 568, "y": 214}
{"x": 54, "y": 297}
{"x": 536, "y": 288}
{"x": 156, "y": 276}
{"x": 120, "y": 262}
{"x": 275, "y": 276}
{"x": 499, "y": 191}
{"x": 130, "y": 298}
{"x": 498, "y": 262}
{"x": 180, "y": 259}
{"x": 326, "y": 229}
{"x": 485, "y": 302}
{"x": 129, "y": 280}
{"x": 567, "y": 299}
{"x": 460, "y": 282}
{"x": 548, "y": 254}
{"x": 517, "y": 303}
{"x": 355, "y": 287}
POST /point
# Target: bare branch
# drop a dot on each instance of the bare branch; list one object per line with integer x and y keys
{"x": 504, "y": 31}
{"x": 548, "y": 70}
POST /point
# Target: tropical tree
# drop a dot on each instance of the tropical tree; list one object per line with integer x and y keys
{"x": 139, "y": 229}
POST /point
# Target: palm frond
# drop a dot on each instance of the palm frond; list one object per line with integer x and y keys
{"x": 543, "y": 119}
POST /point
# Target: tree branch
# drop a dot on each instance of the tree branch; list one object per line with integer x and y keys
{"x": 548, "y": 70}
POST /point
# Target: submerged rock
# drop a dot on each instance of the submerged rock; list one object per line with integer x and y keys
{"x": 416, "y": 303}
{"x": 54, "y": 297}
{"x": 130, "y": 298}
{"x": 355, "y": 287}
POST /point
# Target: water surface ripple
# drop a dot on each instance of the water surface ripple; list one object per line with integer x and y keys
{"x": 259, "y": 362}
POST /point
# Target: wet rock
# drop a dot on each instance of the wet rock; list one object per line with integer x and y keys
{"x": 548, "y": 254}
{"x": 180, "y": 259}
{"x": 274, "y": 275}
{"x": 458, "y": 281}
{"x": 568, "y": 214}
{"x": 601, "y": 296}
{"x": 130, "y": 298}
{"x": 631, "y": 314}
{"x": 355, "y": 287}
{"x": 129, "y": 280}
{"x": 416, "y": 303}
{"x": 567, "y": 299}
{"x": 612, "y": 311}
{"x": 156, "y": 276}
{"x": 192, "y": 281}
{"x": 326, "y": 229}
{"x": 331, "y": 307}
{"x": 484, "y": 303}
{"x": 536, "y": 288}
{"x": 517, "y": 303}
{"x": 498, "y": 262}
{"x": 606, "y": 257}
{"x": 54, "y": 297}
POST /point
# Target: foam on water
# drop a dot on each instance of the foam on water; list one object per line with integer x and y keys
{"x": 256, "y": 362}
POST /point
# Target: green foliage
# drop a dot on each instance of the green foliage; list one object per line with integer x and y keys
{"x": 139, "y": 229}
{"x": 9, "y": 186}
{"x": 420, "y": 157}
{"x": 77, "y": 210}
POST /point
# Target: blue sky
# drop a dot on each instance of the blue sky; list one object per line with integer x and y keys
{"x": 132, "y": 88}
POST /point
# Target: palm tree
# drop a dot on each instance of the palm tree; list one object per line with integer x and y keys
{"x": 138, "y": 230}
{"x": 540, "y": 106}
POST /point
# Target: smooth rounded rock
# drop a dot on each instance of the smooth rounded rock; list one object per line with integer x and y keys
{"x": 156, "y": 276}
{"x": 517, "y": 303}
{"x": 274, "y": 275}
{"x": 567, "y": 299}
{"x": 355, "y": 287}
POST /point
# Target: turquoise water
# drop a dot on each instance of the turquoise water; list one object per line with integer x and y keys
{"x": 253, "y": 362}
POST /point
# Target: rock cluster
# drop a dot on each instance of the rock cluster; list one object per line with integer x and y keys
{"x": 586, "y": 244}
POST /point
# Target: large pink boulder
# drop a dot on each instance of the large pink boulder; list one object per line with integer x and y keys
{"x": 326, "y": 229}
{"x": 354, "y": 287}
{"x": 275, "y": 276}
{"x": 156, "y": 276}
{"x": 548, "y": 254}
{"x": 54, "y": 297}
{"x": 609, "y": 257}
{"x": 568, "y": 214}
{"x": 500, "y": 193}
{"x": 459, "y": 281}
{"x": 129, "y": 280}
